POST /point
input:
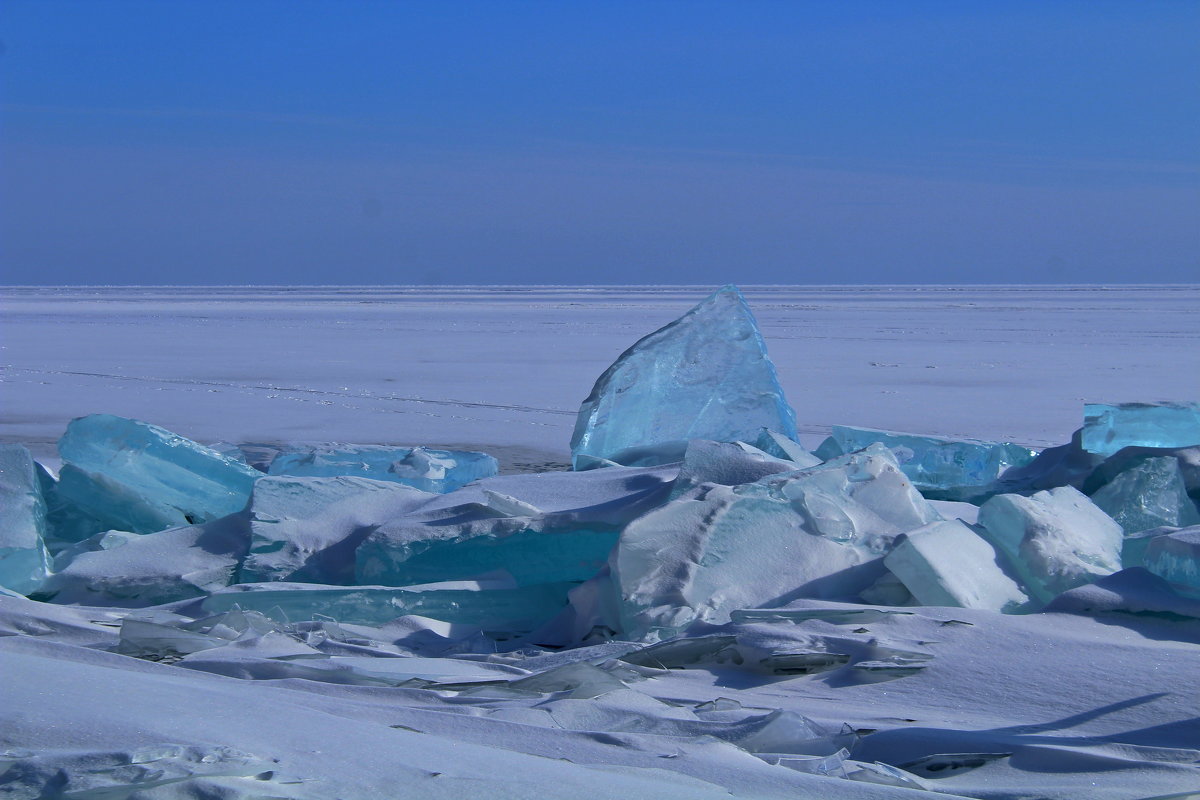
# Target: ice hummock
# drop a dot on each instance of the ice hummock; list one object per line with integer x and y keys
{"x": 423, "y": 468}
{"x": 1176, "y": 558}
{"x": 941, "y": 468}
{"x": 1055, "y": 539}
{"x": 1108, "y": 428}
{"x": 24, "y": 562}
{"x": 1150, "y": 493}
{"x": 138, "y": 477}
{"x": 704, "y": 376}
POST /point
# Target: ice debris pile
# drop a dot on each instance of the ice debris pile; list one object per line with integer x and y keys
{"x": 691, "y": 508}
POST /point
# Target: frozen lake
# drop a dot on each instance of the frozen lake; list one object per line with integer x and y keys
{"x": 505, "y": 368}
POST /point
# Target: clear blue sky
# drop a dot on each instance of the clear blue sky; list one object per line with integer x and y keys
{"x": 599, "y": 142}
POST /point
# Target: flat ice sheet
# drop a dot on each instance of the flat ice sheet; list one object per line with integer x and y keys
{"x": 504, "y": 369}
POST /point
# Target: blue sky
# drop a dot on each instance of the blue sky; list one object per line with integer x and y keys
{"x": 605, "y": 142}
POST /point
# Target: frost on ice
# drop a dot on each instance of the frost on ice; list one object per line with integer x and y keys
{"x": 704, "y": 376}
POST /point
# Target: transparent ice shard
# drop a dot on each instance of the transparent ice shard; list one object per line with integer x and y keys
{"x": 704, "y": 376}
{"x": 1055, "y": 540}
{"x": 1108, "y": 428}
{"x": 307, "y": 529}
{"x": 142, "y": 478}
{"x": 776, "y": 444}
{"x": 1149, "y": 494}
{"x": 1175, "y": 557}
{"x": 420, "y": 467}
{"x": 119, "y": 568}
{"x": 948, "y": 564}
{"x": 24, "y": 562}
{"x": 943, "y": 468}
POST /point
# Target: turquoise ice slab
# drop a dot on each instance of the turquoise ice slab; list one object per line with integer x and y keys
{"x": 1056, "y": 540}
{"x": 1108, "y": 428}
{"x": 1149, "y": 494}
{"x": 704, "y": 376}
{"x": 127, "y": 471}
{"x": 420, "y": 467}
{"x": 24, "y": 562}
{"x": 1175, "y": 557}
{"x": 950, "y": 469}
{"x": 497, "y": 605}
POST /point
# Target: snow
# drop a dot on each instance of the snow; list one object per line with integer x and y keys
{"x": 443, "y": 687}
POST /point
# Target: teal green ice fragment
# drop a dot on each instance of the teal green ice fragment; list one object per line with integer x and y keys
{"x": 1175, "y": 557}
{"x": 420, "y": 467}
{"x": 128, "y": 468}
{"x": 24, "y": 562}
{"x": 1108, "y": 428}
{"x": 1149, "y": 494}
{"x": 704, "y": 376}
{"x": 951, "y": 469}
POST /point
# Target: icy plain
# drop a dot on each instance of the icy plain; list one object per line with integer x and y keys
{"x": 246, "y": 692}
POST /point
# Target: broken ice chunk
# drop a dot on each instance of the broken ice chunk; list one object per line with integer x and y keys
{"x": 726, "y": 463}
{"x": 495, "y": 604}
{"x": 819, "y": 532}
{"x": 1175, "y": 557}
{"x": 948, "y": 564}
{"x": 420, "y": 467}
{"x": 1056, "y": 540}
{"x": 24, "y": 562}
{"x": 704, "y": 376}
{"x": 307, "y": 529}
{"x": 776, "y": 444}
{"x": 1148, "y": 494}
{"x": 1108, "y": 428}
{"x": 130, "y": 570}
{"x": 946, "y": 469}
{"x": 148, "y": 478}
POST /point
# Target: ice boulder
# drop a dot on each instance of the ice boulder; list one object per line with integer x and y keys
{"x": 420, "y": 467}
{"x": 941, "y": 468}
{"x": 1108, "y": 428}
{"x": 307, "y": 529}
{"x": 24, "y": 562}
{"x": 1148, "y": 494}
{"x": 1055, "y": 540}
{"x": 1175, "y": 557}
{"x": 142, "y": 478}
{"x": 704, "y": 376}
{"x": 948, "y": 564}
{"x": 819, "y": 532}
{"x": 118, "y": 568}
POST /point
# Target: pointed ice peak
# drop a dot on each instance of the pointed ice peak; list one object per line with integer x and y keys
{"x": 704, "y": 376}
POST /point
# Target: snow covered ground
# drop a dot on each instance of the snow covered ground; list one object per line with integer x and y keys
{"x": 504, "y": 369}
{"x": 203, "y": 697}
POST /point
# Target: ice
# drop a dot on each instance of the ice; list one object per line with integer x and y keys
{"x": 24, "y": 562}
{"x": 948, "y": 564}
{"x": 811, "y": 533}
{"x": 704, "y": 376}
{"x": 420, "y": 467}
{"x": 1055, "y": 539}
{"x": 1108, "y": 428}
{"x": 496, "y": 603}
{"x": 1148, "y": 494}
{"x": 941, "y": 468}
{"x": 142, "y": 478}
{"x": 307, "y": 529}
{"x": 118, "y": 568}
{"x": 1176, "y": 558}
{"x": 776, "y": 444}
{"x": 726, "y": 463}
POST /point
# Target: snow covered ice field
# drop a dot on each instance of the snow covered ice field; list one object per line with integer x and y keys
{"x": 212, "y": 696}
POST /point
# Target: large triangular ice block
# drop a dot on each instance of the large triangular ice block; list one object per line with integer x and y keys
{"x": 704, "y": 376}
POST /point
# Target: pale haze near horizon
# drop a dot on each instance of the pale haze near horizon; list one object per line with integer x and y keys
{"x": 699, "y": 143}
